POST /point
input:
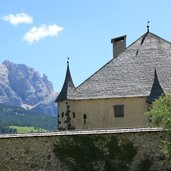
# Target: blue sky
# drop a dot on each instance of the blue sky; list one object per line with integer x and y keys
{"x": 42, "y": 33}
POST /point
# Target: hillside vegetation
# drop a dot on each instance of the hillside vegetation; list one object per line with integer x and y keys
{"x": 17, "y": 116}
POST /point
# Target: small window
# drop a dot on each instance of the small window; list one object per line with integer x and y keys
{"x": 62, "y": 114}
{"x": 84, "y": 118}
{"x": 118, "y": 110}
{"x": 73, "y": 114}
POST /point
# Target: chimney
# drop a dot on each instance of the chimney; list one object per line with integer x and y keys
{"x": 119, "y": 45}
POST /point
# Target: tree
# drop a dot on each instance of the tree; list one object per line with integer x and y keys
{"x": 160, "y": 112}
{"x": 160, "y": 116}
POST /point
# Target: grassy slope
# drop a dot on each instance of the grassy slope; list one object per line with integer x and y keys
{"x": 22, "y": 129}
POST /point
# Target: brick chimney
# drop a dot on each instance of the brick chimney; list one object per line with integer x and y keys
{"x": 119, "y": 45}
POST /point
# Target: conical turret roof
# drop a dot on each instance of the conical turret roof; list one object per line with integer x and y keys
{"x": 156, "y": 90}
{"x": 68, "y": 86}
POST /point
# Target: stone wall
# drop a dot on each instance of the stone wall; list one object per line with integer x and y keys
{"x": 35, "y": 152}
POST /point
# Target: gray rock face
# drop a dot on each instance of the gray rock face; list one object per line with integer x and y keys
{"x": 22, "y": 86}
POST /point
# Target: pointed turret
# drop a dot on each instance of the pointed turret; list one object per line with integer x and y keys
{"x": 68, "y": 86}
{"x": 156, "y": 90}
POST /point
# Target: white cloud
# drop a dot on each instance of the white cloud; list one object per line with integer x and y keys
{"x": 18, "y": 18}
{"x": 37, "y": 33}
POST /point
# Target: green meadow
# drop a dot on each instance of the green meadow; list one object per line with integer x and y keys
{"x": 24, "y": 129}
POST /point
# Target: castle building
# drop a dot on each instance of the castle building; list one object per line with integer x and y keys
{"x": 119, "y": 93}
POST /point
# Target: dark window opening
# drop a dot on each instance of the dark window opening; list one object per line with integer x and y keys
{"x": 73, "y": 114}
{"x": 84, "y": 118}
{"x": 62, "y": 114}
{"x": 118, "y": 110}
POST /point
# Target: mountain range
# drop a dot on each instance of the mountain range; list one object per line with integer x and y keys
{"x": 23, "y": 86}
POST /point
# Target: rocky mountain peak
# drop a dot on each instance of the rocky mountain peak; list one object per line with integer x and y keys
{"x": 23, "y": 86}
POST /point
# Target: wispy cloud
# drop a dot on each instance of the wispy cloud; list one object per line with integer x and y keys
{"x": 18, "y": 18}
{"x": 37, "y": 33}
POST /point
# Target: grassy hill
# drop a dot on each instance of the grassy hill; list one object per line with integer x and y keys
{"x": 17, "y": 116}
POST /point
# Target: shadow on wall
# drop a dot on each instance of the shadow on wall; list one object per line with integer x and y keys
{"x": 96, "y": 152}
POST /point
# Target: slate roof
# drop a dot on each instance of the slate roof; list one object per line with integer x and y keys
{"x": 68, "y": 86}
{"x": 131, "y": 73}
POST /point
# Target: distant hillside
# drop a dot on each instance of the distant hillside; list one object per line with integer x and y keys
{"x": 23, "y": 86}
{"x": 13, "y": 115}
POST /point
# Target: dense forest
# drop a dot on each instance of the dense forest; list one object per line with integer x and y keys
{"x": 13, "y": 115}
{"x": 6, "y": 129}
